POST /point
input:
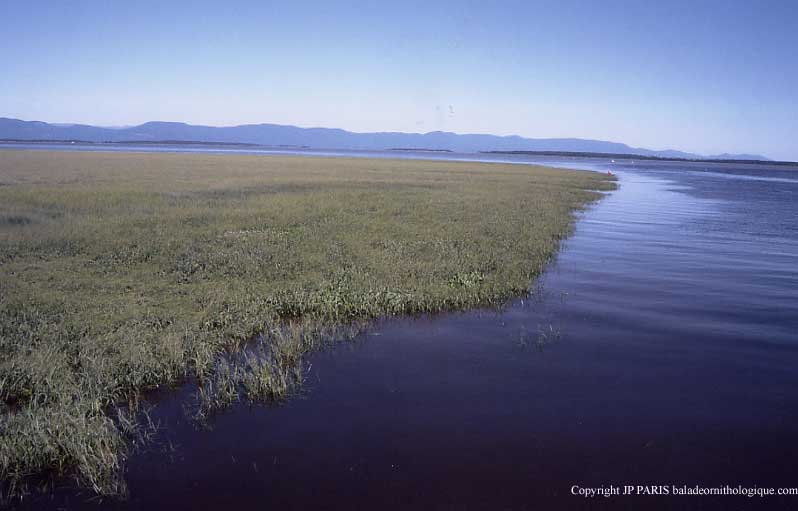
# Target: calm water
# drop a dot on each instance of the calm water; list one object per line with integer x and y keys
{"x": 662, "y": 349}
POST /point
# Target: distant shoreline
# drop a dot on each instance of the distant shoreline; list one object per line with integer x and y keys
{"x": 149, "y": 142}
{"x": 421, "y": 150}
{"x": 573, "y": 154}
{"x": 625, "y": 156}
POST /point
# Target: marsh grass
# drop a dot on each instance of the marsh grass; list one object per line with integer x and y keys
{"x": 121, "y": 273}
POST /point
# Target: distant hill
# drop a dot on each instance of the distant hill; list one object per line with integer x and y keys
{"x": 325, "y": 138}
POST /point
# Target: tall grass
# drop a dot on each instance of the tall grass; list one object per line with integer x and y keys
{"x": 124, "y": 272}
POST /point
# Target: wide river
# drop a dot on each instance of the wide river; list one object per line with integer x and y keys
{"x": 660, "y": 349}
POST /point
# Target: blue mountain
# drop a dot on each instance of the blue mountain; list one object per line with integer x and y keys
{"x": 323, "y": 138}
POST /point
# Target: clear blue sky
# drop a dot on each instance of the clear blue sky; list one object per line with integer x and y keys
{"x": 699, "y": 76}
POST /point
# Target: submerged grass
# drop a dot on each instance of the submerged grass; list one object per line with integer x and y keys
{"x": 124, "y": 272}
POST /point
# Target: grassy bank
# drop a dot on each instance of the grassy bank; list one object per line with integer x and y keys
{"x": 123, "y": 272}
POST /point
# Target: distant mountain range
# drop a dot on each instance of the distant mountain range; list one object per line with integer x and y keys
{"x": 325, "y": 138}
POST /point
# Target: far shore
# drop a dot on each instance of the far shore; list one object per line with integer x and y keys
{"x": 567, "y": 154}
{"x": 624, "y": 156}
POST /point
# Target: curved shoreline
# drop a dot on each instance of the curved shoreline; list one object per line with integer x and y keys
{"x": 175, "y": 249}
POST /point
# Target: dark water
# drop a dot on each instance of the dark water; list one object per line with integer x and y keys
{"x": 662, "y": 350}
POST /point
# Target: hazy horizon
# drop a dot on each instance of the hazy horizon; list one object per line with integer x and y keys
{"x": 709, "y": 79}
{"x": 643, "y": 151}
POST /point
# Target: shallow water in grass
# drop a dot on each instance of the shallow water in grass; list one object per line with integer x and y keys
{"x": 663, "y": 349}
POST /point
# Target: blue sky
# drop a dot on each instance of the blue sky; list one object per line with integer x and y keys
{"x": 699, "y": 76}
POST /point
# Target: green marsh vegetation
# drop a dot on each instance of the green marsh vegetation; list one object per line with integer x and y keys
{"x": 123, "y": 272}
